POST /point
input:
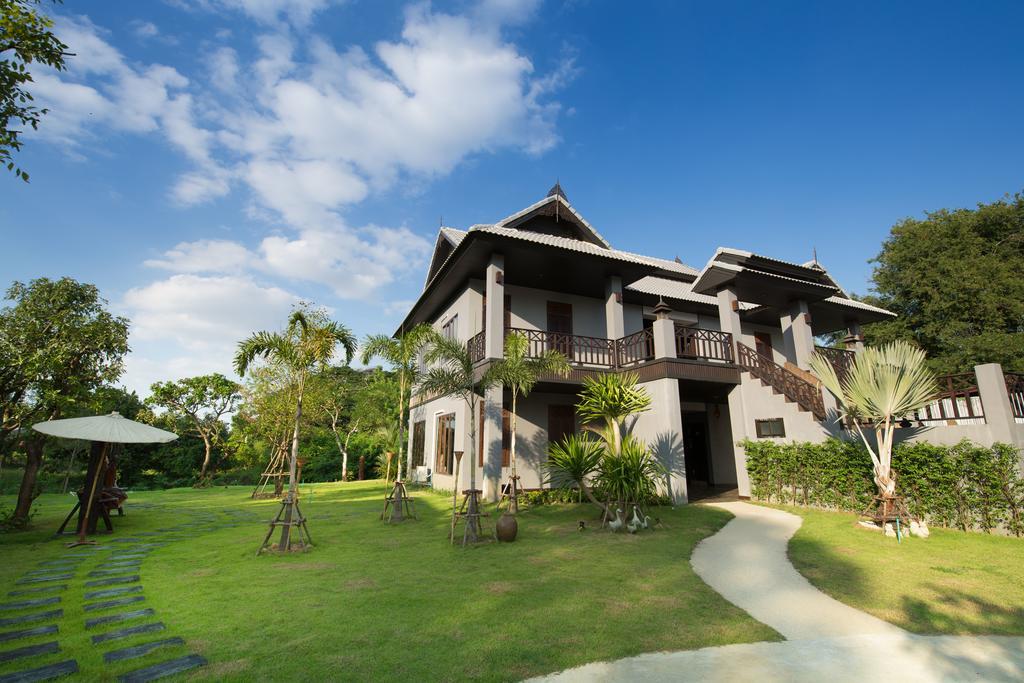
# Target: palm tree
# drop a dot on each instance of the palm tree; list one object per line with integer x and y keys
{"x": 403, "y": 353}
{"x": 610, "y": 399}
{"x": 453, "y": 374}
{"x": 307, "y": 344}
{"x": 571, "y": 462}
{"x": 519, "y": 372}
{"x": 882, "y": 385}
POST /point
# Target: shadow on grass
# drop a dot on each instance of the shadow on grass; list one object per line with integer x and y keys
{"x": 952, "y": 611}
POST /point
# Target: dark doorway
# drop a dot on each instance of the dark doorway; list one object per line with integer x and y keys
{"x": 696, "y": 450}
{"x": 560, "y": 328}
{"x": 763, "y": 344}
{"x": 561, "y": 422}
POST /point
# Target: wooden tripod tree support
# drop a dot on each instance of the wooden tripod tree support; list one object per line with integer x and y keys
{"x": 510, "y": 492}
{"x": 469, "y": 511}
{"x": 294, "y": 534}
{"x": 399, "y": 503}
{"x": 883, "y": 509}
{"x": 277, "y": 470}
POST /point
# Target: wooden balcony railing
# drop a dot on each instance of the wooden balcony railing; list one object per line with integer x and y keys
{"x": 841, "y": 359}
{"x": 578, "y": 349}
{"x": 958, "y": 399}
{"x": 635, "y": 348}
{"x": 1015, "y": 391}
{"x": 476, "y": 347}
{"x": 692, "y": 342}
{"x": 629, "y": 351}
{"x": 796, "y": 389}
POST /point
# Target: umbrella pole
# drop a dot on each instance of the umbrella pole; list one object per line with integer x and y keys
{"x": 88, "y": 506}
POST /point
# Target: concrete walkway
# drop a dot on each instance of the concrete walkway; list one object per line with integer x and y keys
{"x": 746, "y": 562}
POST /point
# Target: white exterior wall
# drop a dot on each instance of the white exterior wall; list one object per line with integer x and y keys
{"x": 661, "y": 428}
{"x": 530, "y": 310}
{"x": 633, "y": 316}
{"x": 468, "y": 305}
{"x": 720, "y": 441}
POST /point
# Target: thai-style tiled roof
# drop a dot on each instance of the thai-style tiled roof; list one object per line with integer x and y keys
{"x": 679, "y": 291}
{"x": 585, "y": 248}
{"x": 853, "y": 303}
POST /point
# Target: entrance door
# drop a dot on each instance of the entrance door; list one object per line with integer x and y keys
{"x": 695, "y": 449}
{"x": 560, "y": 328}
{"x": 561, "y": 422}
{"x": 763, "y": 344}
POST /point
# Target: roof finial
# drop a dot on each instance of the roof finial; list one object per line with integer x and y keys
{"x": 814, "y": 250}
{"x": 557, "y": 191}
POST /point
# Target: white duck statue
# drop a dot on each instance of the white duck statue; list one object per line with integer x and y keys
{"x": 617, "y": 523}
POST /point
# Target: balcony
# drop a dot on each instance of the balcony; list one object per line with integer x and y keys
{"x": 614, "y": 354}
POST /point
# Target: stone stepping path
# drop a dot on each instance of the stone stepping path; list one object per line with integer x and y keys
{"x": 112, "y": 592}
{"x": 28, "y": 633}
{"x": 30, "y": 651}
{"x": 124, "y": 616}
{"x": 36, "y": 591}
{"x": 113, "y": 603}
{"x": 113, "y": 572}
{"x": 125, "y": 563}
{"x": 43, "y": 673}
{"x": 29, "y": 618}
{"x": 168, "y": 668}
{"x": 44, "y": 579}
{"x": 141, "y": 650}
{"x": 22, "y": 604}
{"x": 112, "y": 581}
{"x": 127, "y": 632}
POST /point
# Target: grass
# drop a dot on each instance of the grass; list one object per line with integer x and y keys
{"x": 379, "y": 602}
{"x": 950, "y": 583}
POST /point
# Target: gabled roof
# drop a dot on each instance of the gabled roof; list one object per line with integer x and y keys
{"x": 447, "y": 240}
{"x": 677, "y": 290}
{"x": 582, "y": 247}
{"x": 555, "y": 205}
{"x": 762, "y": 279}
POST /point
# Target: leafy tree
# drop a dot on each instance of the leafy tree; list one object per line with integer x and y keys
{"x": 25, "y": 37}
{"x": 203, "y": 401}
{"x": 518, "y": 372}
{"x": 58, "y": 344}
{"x": 954, "y": 279}
{"x": 307, "y": 344}
{"x": 403, "y": 353}
{"x": 881, "y": 386}
{"x": 611, "y": 399}
{"x": 454, "y": 374}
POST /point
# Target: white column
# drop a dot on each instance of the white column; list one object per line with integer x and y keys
{"x": 491, "y": 474}
{"x": 494, "y": 339}
{"x": 664, "y": 331}
{"x": 797, "y": 335}
{"x": 661, "y": 428}
{"x": 729, "y": 313}
{"x": 614, "y": 317}
{"x": 729, "y": 319}
{"x": 996, "y": 404}
{"x": 855, "y": 338}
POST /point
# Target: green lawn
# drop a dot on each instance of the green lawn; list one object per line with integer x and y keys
{"x": 950, "y": 583}
{"x": 373, "y": 601}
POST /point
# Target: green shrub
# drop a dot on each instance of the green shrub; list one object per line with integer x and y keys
{"x": 966, "y": 486}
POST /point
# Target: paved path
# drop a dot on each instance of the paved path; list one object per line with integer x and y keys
{"x": 746, "y": 563}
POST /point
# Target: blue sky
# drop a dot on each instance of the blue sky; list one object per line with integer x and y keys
{"x": 209, "y": 162}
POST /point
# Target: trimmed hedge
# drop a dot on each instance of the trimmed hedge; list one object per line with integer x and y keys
{"x": 965, "y": 486}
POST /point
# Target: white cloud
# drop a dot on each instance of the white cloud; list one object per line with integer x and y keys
{"x": 205, "y": 256}
{"x": 145, "y": 29}
{"x": 297, "y": 12}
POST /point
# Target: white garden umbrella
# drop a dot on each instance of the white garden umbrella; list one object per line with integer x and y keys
{"x": 107, "y": 429}
{"x": 111, "y": 428}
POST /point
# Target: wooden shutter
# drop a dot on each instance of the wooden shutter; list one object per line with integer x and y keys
{"x": 561, "y": 422}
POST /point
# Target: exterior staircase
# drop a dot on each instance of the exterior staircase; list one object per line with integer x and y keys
{"x": 793, "y": 387}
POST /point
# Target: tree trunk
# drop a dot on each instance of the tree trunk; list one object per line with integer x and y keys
{"x": 514, "y": 504}
{"x": 33, "y": 461}
{"x": 286, "y": 529}
{"x": 472, "y": 528}
{"x": 401, "y": 431}
{"x": 206, "y": 456}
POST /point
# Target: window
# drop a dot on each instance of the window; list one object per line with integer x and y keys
{"x": 419, "y": 435}
{"x": 561, "y": 422}
{"x": 450, "y": 330}
{"x": 444, "y": 460}
{"x": 770, "y": 428}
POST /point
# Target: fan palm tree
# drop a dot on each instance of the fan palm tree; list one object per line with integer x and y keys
{"x": 519, "y": 373}
{"x": 403, "y": 353}
{"x": 307, "y": 344}
{"x": 610, "y": 399}
{"x": 881, "y": 386}
{"x": 453, "y": 374}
